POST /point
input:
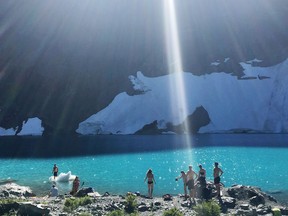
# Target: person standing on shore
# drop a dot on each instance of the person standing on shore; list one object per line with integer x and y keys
{"x": 217, "y": 173}
{"x": 151, "y": 181}
{"x": 184, "y": 178}
{"x": 75, "y": 186}
{"x": 202, "y": 176}
{"x": 191, "y": 176}
{"x": 55, "y": 171}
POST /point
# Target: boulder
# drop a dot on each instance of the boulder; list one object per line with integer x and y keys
{"x": 244, "y": 206}
{"x": 229, "y": 202}
{"x": 5, "y": 208}
{"x": 250, "y": 212}
{"x": 167, "y": 197}
{"x": 243, "y": 192}
{"x": 84, "y": 192}
{"x": 263, "y": 210}
{"x": 284, "y": 210}
{"x": 157, "y": 203}
{"x": 257, "y": 200}
{"x": 32, "y": 210}
{"x": 13, "y": 190}
{"x": 143, "y": 208}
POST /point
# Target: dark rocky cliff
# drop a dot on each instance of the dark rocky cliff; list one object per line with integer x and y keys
{"x": 64, "y": 61}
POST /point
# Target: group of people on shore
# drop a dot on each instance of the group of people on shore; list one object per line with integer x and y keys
{"x": 190, "y": 180}
{"x": 54, "y": 189}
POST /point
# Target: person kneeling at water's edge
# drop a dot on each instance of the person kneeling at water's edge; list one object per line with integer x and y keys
{"x": 151, "y": 181}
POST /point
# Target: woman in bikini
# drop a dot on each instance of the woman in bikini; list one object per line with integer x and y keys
{"x": 151, "y": 181}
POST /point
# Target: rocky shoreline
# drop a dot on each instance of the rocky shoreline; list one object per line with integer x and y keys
{"x": 235, "y": 200}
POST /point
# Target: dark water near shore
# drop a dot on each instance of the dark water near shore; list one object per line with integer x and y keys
{"x": 118, "y": 163}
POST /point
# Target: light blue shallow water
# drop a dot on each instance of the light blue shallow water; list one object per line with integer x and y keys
{"x": 119, "y": 173}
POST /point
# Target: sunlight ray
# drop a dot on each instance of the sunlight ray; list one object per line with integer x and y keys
{"x": 174, "y": 59}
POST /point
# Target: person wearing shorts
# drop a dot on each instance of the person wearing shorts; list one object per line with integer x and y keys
{"x": 217, "y": 173}
{"x": 55, "y": 171}
{"x": 191, "y": 176}
{"x": 184, "y": 178}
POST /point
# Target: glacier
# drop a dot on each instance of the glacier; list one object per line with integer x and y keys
{"x": 31, "y": 127}
{"x": 257, "y": 102}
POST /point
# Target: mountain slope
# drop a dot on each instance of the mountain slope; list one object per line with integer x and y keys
{"x": 65, "y": 61}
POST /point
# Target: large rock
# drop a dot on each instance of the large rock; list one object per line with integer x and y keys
{"x": 229, "y": 202}
{"x": 32, "y": 210}
{"x": 257, "y": 200}
{"x": 84, "y": 192}
{"x": 250, "y": 200}
{"x": 241, "y": 192}
{"x": 13, "y": 190}
{"x": 7, "y": 207}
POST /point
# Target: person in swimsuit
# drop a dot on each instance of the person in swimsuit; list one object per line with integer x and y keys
{"x": 191, "y": 176}
{"x": 202, "y": 176}
{"x": 151, "y": 181}
{"x": 184, "y": 178}
{"x": 217, "y": 173}
{"x": 55, "y": 171}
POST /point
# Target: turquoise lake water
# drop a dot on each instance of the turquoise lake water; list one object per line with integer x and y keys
{"x": 118, "y": 173}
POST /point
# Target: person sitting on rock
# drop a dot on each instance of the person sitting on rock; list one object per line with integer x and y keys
{"x": 53, "y": 191}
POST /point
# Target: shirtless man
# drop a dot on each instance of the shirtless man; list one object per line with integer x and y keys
{"x": 151, "y": 181}
{"x": 55, "y": 171}
{"x": 217, "y": 173}
{"x": 191, "y": 176}
{"x": 184, "y": 178}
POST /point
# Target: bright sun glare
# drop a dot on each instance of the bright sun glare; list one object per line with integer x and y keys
{"x": 177, "y": 84}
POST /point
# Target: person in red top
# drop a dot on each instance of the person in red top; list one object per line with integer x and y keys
{"x": 75, "y": 186}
